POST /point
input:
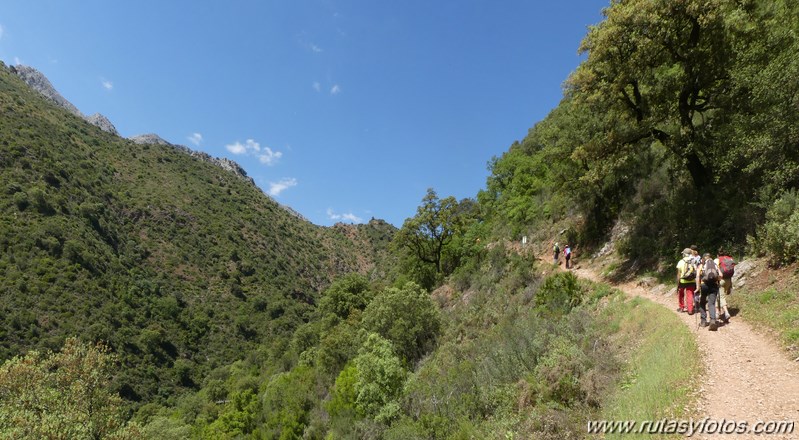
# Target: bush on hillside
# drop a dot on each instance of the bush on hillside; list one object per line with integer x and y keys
{"x": 559, "y": 294}
{"x": 62, "y": 395}
{"x": 380, "y": 377}
{"x": 779, "y": 236}
{"x": 407, "y": 317}
{"x": 345, "y": 296}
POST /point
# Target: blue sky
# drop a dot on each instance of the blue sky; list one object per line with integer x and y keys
{"x": 343, "y": 110}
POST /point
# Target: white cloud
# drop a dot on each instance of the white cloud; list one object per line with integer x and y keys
{"x": 275, "y": 188}
{"x": 315, "y": 48}
{"x": 350, "y": 217}
{"x": 195, "y": 138}
{"x": 247, "y": 147}
{"x": 269, "y": 157}
{"x": 17, "y": 61}
{"x": 335, "y": 90}
{"x": 108, "y": 85}
{"x": 236, "y": 148}
{"x": 316, "y": 86}
{"x": 265, "y": 155}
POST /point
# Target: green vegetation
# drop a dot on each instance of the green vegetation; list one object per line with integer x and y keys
{"x": 673, "y": 124}
{"x": 230, "y": 317}
{"x": 772, "y": 309}
{"x": 63, "y": 395}
{"x": 660, "y": 373}
{"x": 178, "y": 265}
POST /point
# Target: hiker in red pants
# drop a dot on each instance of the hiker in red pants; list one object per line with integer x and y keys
{"x": 686, "y": 282}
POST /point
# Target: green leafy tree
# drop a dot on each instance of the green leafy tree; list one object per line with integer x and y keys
{"x": 344, "y": 394}
{"x": 345, "y": 296}
{"x": 427, "y": 233}
{"x": 238, "y": 417}
{"x": 659, "y": 71}
{"x": 407, "y": 317}
{"x": 64, "y": 395}
{"x": 287, "y": 401}
{"x": 380, "y": 379}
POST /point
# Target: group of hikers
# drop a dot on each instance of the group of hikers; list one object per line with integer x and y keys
{"x": 567, "y": 253}
{"x": 704, "y": 283}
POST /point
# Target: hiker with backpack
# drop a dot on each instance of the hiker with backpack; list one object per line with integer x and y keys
{"x": 568, "y": 253}
{"x": 726, "y": 266}
{"x": 556, "y": 250}
{"x": 697, "y": 262}
{"x": 707, "y": 283}
{"x": 686, "y": 282}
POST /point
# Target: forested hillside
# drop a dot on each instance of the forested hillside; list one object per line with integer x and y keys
{"x": 233, "y": 318}
{"x": 179, "y": 265}
{"x": 682, "y": 122}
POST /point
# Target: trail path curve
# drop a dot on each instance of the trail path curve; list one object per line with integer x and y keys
{"x": 752, "y": 377}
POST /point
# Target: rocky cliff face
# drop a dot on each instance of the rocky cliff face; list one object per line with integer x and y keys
{"x": 37, "y": 81}
{"x": 102, "y": 122}
{"x": 149, "y": 138}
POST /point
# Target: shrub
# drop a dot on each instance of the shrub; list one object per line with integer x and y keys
{"x": 346, "y": 295}
{"x": 62, "y": 395}
{"x": 21, "y": 200}
{"x": 407, "y": 317}
{"x": 559, "y": 294}
{"x": 380, "y": 377}
{"x": 779, "y": 236}
{"x": 558, "y": 373}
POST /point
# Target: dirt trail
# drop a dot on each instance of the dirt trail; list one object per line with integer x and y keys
{"x": 753, "y": 379}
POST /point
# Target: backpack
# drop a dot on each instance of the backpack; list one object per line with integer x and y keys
{"x": 711, "y": 272}
{"x": 557, "y": 250}
{"x": 727, "y": 266}
{"x": 689, "y": 271}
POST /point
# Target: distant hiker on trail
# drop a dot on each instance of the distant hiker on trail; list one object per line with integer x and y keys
{"x": 686, "y": 282}
{"x": 556, "y": 250}
{"x": 726, "y": 267}
{"x": 707, "y": 282}
{"x": 568, "y": 253}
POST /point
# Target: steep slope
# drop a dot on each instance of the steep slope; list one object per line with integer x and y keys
{"x": 37, "y": 81}
{"x": 181, "y": 265}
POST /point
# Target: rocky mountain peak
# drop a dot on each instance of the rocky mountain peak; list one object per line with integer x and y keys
{"x": 37, "y": 81}
{"x": 149, "y": 138}
{"x": 101, "y": 121}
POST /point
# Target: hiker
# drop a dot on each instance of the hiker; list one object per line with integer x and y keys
{"x": 695, "y": 253}
{"x": 568, "y": 253}
{"x": 686, "y": 282}
{"x": 556, "y": 250}
{"x": 707, "y": 282}
{"x": 726, "y": 266}
{"x": 697, "y": 262}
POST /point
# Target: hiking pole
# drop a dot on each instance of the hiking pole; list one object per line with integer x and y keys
{"x": 696, "y": 319}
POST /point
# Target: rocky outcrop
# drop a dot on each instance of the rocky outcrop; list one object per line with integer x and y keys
{"x": 37, "y": 81}
{"x": 101, "y": 121}
{"x": 225, "y": 164}
{"x": 149, "y": 138}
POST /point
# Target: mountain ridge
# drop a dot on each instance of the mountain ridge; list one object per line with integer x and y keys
{"x": 174, "y": 261}
{"x": 39, "y": 82}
